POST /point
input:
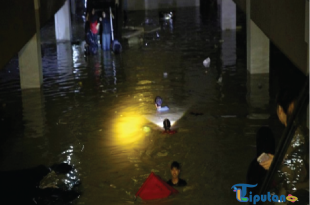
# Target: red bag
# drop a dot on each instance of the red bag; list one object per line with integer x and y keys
{"x": 155, "y": 188}
{"x": 93, "y": 27}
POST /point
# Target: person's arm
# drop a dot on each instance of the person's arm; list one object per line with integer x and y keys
{"x": 97, "y": 27}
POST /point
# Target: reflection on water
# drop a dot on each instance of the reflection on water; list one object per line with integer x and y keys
{"x": 127, "y": 126}
{"x": 33, "y": 113}
{"x": 98, "y": 113}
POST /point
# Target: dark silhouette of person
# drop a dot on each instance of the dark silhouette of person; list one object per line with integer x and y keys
{"x": 265, "y": 143}
{"x": 22, "y": 186}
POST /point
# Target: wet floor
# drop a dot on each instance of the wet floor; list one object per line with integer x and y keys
{"x": 98, "y": 113}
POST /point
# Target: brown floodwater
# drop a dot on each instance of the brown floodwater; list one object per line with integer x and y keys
{"x": 98, "y": 113}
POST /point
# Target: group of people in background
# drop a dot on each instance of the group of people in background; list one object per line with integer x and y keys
{"x": 97, "y": 24}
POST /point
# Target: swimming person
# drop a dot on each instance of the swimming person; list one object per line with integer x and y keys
{"x": 175, "y": 172}
{"x": 167, "y": 126}
{"x": 158, "y": 103}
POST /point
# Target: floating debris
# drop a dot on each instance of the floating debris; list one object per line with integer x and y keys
{"x": 146, "y": 129}
{"x": 207, "y": 62}
{"x": 162, "y": 153}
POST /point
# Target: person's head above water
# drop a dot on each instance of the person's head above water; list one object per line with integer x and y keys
{"x": 158, "y": 101}
{"x": 175, "y": 170}
{"x": 287, "y": 98}
{"x": 167, "y": 124}
{"x": 175, "y": 180}
{"x": 286, "y": 101}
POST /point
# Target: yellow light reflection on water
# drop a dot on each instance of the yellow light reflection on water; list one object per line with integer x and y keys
{"x": 129, "y": 125}
{"x": 128, "y": 128}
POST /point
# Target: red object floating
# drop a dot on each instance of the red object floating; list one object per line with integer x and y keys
{"x": 155, "y": 188}
{"x": 171, "y": 132}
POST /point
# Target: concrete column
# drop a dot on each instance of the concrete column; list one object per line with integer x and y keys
{"x": 228, "y": 14}
{"x": 63, "y": 23}
{"x": 73, "y": 6}
{"x": 258, "y": 67}
{"x": 33, "y": 113}
{"x": 227, "y": 17}
{"x": 229, "y": 55}
{"x": 257, "y": 46}
{"x": 29, "y": 58}
{"x": 258, "y": 90}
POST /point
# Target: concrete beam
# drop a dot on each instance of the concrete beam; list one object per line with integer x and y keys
{"x": 258, "y": 91}
{"x": 63, "y": 23}
{"x": 159, "y": 4}
{"x": 30, "y": 63}
{"x": 257, "y": 46}
{"x": 73, "y": 6}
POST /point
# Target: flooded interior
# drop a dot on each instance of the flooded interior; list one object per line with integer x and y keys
{"x": 98, "y": 114}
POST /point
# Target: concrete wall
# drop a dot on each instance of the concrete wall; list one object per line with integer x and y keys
{"x": 159, "y": 4}
{"x": 48, "y": 8}
{"x": 283, "y": 21}
{"x": 17, "y": 20}
{"x": 241, "y": 4}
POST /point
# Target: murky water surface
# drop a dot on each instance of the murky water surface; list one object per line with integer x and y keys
{"x": 98, "y": 113}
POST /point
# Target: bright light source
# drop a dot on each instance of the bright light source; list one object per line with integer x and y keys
{"x": 160, "y": 124}
{"x": 174, "y": 114}
{"x": 128, "y": 128}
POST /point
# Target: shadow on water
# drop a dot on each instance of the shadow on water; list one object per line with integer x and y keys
{"x": 98, "y": 113}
